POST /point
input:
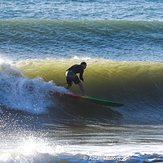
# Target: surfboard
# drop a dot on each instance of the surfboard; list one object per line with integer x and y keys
{"x": 93, "y": 100}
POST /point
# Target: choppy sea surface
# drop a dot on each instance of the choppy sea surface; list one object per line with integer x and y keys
{"x": 122, "y": 43}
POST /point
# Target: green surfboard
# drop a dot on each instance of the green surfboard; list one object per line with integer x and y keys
{"x": 95, "y": 100}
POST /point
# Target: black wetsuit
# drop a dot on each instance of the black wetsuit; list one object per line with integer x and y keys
{"x": 71, "y": 74}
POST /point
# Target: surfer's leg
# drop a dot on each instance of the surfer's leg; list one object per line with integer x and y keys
{"x": 68, "y": 86}
{"x": 69, "y": 82}
{"x": 82, "y": 88}
{"x": 77, "y": 81}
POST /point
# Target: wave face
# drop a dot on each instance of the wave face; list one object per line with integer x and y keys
{"x": 118, "y": 40}
{"x": 136, "y": 84}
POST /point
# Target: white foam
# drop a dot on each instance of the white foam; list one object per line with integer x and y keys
{"x": 37, "y": 150}
{"x": 26, "y": 95}
{"x": 0, "y": 110}
{"x": 81, "y": 58}
{"x": 18, "y": 92}
{"x": 124, "y": 150}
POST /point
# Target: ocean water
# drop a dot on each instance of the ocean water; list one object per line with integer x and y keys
{"x": 122, "y": 43}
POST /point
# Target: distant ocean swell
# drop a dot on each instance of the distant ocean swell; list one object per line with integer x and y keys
{"x": 46, "y": 30}
{"x": 100, "y": 38}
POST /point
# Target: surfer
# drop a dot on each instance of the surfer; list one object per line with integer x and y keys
{"x": 72, "y": 77}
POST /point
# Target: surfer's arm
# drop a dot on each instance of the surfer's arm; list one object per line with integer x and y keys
{"x": 81, "y": 76}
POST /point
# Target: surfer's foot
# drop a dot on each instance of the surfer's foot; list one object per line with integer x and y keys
{"x": 86, "y": 95}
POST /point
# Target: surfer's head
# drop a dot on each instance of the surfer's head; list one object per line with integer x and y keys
{"x": 83, "y": 64}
